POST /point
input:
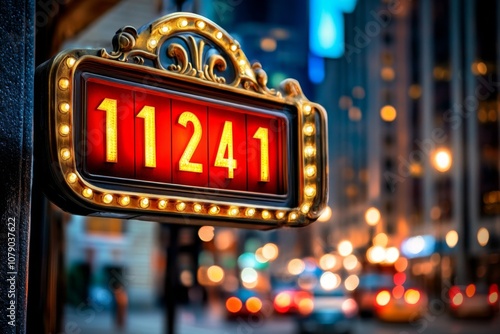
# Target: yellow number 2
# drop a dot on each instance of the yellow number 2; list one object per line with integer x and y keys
{"x": 184, "y": 162}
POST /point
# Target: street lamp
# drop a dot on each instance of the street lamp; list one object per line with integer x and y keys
{"x": 442, "y": 160}
{"x": 372, "y": 216}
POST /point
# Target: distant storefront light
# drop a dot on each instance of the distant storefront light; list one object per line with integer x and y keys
{"x": 372, "y": 216}
{"x": 483, "y": 236}
{"x": 388, "y": 113}
{"x": 452, "y": 238}
{"x": 442, "y": 160}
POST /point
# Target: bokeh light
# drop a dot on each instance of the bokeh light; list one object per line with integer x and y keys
{"x": 381, "y": 239}
{"x": 375, "y": 254}
{"x": 391, "y": 255}
{"x": 325, "y": 215}
{"x": 296, "y": 266}
{"x": 249, "y": 275}
{"x": 270, "y": 251}
{"x": 233, "y": 304}
{"x": 350, "y": 262}
{"x": 253, "y": 304}
{"x": 206, "y": 233}
{"x": 351, "y": 282}
{"x": 372, "y": 216}
{"x": 383, "y": 298}
{"x": 327, "y": 261}
{"x": 215, "y": 274}
{"x": 452, "y": 238}
{"x": 329, "y": 280}
{"x": 345, "y": 247}
{"x": 442, "y": 160}
{"x": 388, "y": 113}
{"x": 483, "y": 236}
{"x": 412, "y": 296}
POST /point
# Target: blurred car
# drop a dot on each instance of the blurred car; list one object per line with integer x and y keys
{"x": 289, "y": 301}
{"x": 402, "y": 303}
{"x": 366, "y": 292}
{"x": 474, "y": 300}
{"x": 327, "y": 312}
{"x": 245, "y": 302}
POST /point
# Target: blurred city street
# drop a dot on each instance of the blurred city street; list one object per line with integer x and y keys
{"x": 251, "y": 166}
{"x": 213, "y": 322}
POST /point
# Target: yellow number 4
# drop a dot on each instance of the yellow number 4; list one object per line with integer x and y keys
{"x": 226, "y": 143}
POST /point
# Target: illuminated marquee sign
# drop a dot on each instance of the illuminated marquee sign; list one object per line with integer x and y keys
{"x": 175, "y": 125}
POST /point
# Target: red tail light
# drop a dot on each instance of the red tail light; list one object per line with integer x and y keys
{"x": 233, "y": 304}
{"x": 282, "y": 302}
{"x": 456, "y": 296}
{"x": 383, "y": 298}
{"x": 412, "y": 296}
{"x": 493, "y": 295}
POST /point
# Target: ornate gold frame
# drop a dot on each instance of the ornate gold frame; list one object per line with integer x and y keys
{"x": 140, "y": 51}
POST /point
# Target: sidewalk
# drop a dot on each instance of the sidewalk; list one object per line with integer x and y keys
{"x": 99, "y": 321}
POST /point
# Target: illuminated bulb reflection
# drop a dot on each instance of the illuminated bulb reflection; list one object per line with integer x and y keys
{"x": 87, "y": 192}
{"x": 266, "y": 214}
{"x": 310, "y": 151}
{"x": 72, "y": 178}
{"x": 200, "y": 24}
{"x": 218, "y": 35}
{"x": 162, "y": 204}
{"x": 164, "y": 29}
{"x": 305, "y": 208}
{"x": 183, "y": 23}
{"x": 293, "y": 216}
{"x": 250, "y": 212}
{"x": 124, "y": 201}
{"x": 63, "y": 83}
{"x": 310, "y": 191}
{"x": 152, "y": 43}
{"x": 108, "y": 198}
{"x": 310, "y": 171}
{"x": 65, "y": 154}
{"x": 280, "y": 214}
{"x": 307, "y": 109}
{"x": 214, "y": 210}
{"x": 233, "y": 211}
{"x": 144, "y": 203}
{"x": 64, "y": 107}
{"x": 70, "y": 62}
{"x": 64, "y": 129}
{"x": 197, "y": 208}
{"x": 308, "y": 129}
{"x": 180, "y": 206}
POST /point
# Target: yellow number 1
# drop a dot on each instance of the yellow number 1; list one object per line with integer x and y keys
{"x": 109, "y": 106}
{"x": 148, "y": 114}
{"x": 263, "y": 135}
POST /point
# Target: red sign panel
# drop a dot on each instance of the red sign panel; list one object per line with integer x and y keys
{"x": 143, "y": 134}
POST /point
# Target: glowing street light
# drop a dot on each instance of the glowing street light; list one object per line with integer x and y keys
{"x": 372, "y": 216}
{"x": 483, "y": 236}
{"x": 452, "y": 238}
{"x": 442, "y": 160}
{"x": 345, "y": 247}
